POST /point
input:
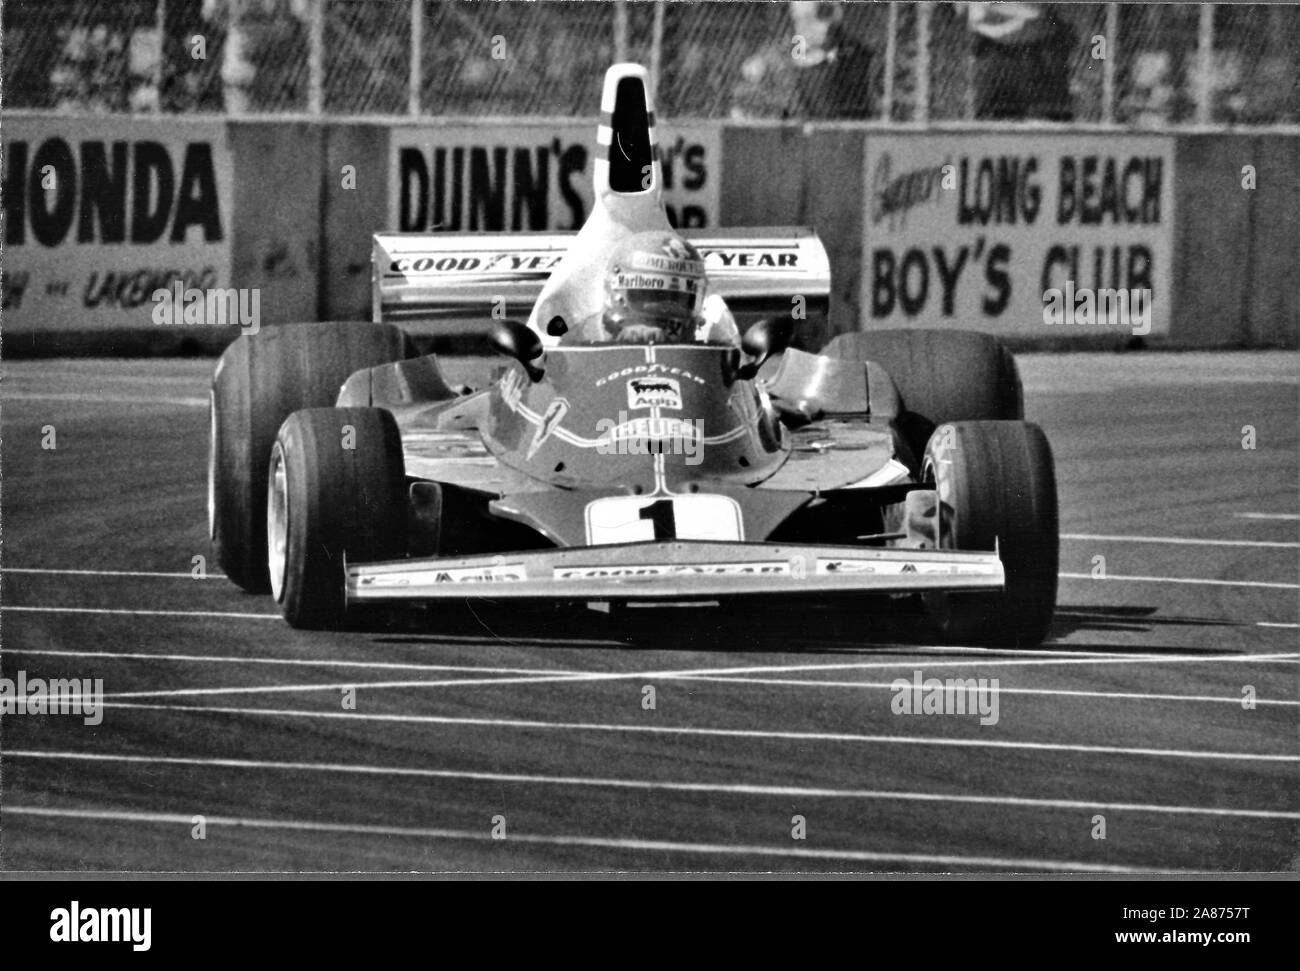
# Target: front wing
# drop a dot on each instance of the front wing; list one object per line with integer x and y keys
{"x": 674, "y": 570}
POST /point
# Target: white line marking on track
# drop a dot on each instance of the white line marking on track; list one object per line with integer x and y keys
{"x": 344, "y": 685}
{"x": 94, "y": 371}
{"x": 659, "y": 846}
{"x": 542, "y": 676}
{"x": 130, "y": 612}
{"x": 742, "y": 789}
{"x": 1193, "y": 580}
{"x": 1055, "y": 692}
{"x": 289, "y": 662}
{"x": 1179, "y": 540}
{"x": 1288, "y": 516}
{"x": 1039, "y": 661}
{"x": 1034, "y": 658}
{"x": 713, "y": 732}
{"x": 110, "y": 573}
{"x": 133, "y": 612}
{"x": 96, "y": 399}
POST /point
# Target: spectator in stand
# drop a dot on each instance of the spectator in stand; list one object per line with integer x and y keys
{"x": 833, "y": 75}
{"x": 766, "y": 86}
{"x": 1022, "y": 61}
{"x": 817, "y": 70}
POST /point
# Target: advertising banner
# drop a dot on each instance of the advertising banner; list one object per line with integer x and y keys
{"x": 1027, "y": 235}
{"x": 102, "y": 212}
{"x": 530, "y": 176}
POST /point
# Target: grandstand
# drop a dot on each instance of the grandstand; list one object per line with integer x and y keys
{"x": 1135, "y": 66}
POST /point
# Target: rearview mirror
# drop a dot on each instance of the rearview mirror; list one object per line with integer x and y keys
{"x": 762, "y": 340}
{"x": 513, "y": 339}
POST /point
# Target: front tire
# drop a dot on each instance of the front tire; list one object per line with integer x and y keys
{"x": 941, "y": 375}
{"x": 336, "y": 488}
{"x": 996, "y": 485}
{"x": 260, "y": 380}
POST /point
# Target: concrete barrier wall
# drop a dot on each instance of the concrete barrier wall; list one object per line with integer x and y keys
{"x": 833, "y": 205}
{"x": 1272, "y": 313}
{"x": 1212, "y": 240}
{"x": 764, "y": 182}
{"x": 355, "y": 192}
{"x": 277, "y": 216}
{"x": 1237, "y": 248}
{"x": 790, "y": 175}
{"x": 298, "y": 201}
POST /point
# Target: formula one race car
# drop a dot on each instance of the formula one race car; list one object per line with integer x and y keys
{"x": 621, "y": 464}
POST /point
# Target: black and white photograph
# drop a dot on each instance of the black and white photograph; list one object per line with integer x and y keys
{"x": 651, "y": 439}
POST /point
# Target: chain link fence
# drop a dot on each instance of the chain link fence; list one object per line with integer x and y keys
{"x": 1137, "y": 65}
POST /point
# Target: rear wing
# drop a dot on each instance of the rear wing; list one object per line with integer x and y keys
{"x": 437, "y": 278}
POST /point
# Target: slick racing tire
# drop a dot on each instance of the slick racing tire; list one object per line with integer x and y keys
{"x": 336, "y": 490}
{"x": 997, "y": 486}
{"x": 259, "y": 381}
{"x": 941, "y": 376}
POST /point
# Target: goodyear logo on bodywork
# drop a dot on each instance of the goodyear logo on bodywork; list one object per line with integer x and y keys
{"x": 776, "y": 567}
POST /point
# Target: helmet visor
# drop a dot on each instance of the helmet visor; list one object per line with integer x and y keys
{"x": 666, "y": 304}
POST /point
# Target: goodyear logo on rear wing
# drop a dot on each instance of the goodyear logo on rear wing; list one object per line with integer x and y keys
{"x": 765, "y": 258}
{"x": 759, "y": 257}
{"x": 435, "y": 264}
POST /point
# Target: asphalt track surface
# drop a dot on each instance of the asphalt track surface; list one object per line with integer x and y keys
{"x": 532, "y": 725}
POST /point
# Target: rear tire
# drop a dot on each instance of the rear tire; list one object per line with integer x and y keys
{"x": 997, "y": 485}
{"x": 337, "y": 488}
{"x": 260, "y": 380}
{"x": 941, "y": 376}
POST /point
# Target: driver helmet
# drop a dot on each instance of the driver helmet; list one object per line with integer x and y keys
{"x": 654, "y": 289}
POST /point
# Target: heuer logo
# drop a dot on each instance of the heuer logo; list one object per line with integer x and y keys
{"x": 651, "y": 430}
{"x": 908, "y": 568}
{"x": 654, "y": 393}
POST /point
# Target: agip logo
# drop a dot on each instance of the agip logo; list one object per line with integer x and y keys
{"x": 654, "y": 393}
